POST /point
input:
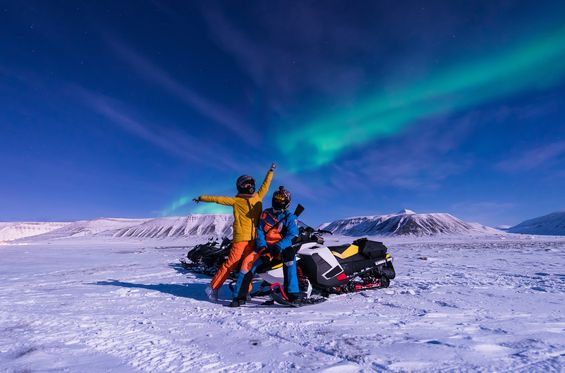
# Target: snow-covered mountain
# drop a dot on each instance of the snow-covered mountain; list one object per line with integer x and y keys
{"x": 403, "y": 223}
{"x": 165, "y": 227}
{"x": 84, "y": 228}
{"x": 16, "y": 230}
{"x": 551, "y": 224}
{"x": 406, "y": 223}
{"x": 192, "y": 225}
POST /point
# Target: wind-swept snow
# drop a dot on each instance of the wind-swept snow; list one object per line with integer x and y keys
{"x": 101, "y": 304}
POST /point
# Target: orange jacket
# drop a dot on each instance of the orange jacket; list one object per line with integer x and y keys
{"x": 246, "y": 210}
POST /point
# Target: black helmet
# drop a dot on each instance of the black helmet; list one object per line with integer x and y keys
{"x": 281, "y": 199}
{"x": 245, "y": 184}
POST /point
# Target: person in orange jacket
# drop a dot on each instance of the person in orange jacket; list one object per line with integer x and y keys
{"x": 247, "y": 207}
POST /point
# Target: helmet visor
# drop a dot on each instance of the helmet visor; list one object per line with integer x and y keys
{"x": 246, "y": 184}
{"x": 280, "y": 201}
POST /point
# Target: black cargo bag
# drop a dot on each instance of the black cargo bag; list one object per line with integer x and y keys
{"x": 371, "y": 249}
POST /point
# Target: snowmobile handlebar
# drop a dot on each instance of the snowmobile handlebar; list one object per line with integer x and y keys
{"x": 310, "y": 231}
{"x": 309, "y": 234}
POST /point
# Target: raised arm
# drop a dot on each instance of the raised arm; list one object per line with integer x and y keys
{"x": 228, "y": 201}
{"x": 267, "y": 182}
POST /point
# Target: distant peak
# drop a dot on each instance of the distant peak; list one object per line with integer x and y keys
{"x": 405, "y": 211}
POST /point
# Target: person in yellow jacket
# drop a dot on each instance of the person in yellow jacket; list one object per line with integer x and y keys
{"x": 247, "y": 207}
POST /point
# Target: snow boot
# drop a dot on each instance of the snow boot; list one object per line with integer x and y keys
{"x": 212, "y": 293}
{"x": 295, "y": 298}
{"x": 236, "y": 302}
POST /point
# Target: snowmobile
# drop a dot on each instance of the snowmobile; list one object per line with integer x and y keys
{"x": 208, "y": 257}
{"x": 364, "y": 264}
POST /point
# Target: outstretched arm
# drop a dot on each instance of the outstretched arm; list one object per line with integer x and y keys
{"x": 267, "y": 182}
{"x": 228, "y": 201}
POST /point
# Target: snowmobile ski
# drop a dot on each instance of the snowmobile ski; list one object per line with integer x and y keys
{"x": 296, "y": 304}
{"x": 280, "y": 298}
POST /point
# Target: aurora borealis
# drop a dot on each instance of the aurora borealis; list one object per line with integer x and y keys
{"x": 131, "y": 109}
{"x": 531, "y": 64}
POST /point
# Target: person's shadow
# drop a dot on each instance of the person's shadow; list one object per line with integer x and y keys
{"x": 194, "y": 291}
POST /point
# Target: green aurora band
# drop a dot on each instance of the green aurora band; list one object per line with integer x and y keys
{"x": 201, "y": 208}
{"x": 536, "y": 64}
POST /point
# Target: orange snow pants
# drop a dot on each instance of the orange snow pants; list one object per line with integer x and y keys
{"x": 247, "y": 262}
{"x": 239, "y": 250}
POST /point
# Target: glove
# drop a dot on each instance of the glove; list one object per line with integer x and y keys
{"x": 273, "y": 166}
{"x": 273, "y": 251}
{"x": 196, "y": 200}
{"x": 264, "y": 252}
{"x": 280, "y": 249}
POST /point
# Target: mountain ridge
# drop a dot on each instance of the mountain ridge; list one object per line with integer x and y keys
{"x": 550, "y": 224}
{"x": 406, "y": 223}
{"x": 10, "y": 231}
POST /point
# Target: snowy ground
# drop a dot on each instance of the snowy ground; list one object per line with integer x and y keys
{"x": 110, "y": 306}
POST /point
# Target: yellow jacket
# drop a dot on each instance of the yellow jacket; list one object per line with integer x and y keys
{"x": 246, "y": 210}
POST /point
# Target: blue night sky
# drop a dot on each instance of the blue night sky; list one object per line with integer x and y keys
{"x": 130, "y": 109}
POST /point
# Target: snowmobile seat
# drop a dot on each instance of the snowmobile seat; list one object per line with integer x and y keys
{"x": 338, "y": 249}
{"x": 348, "y": 253}
{"x": 371, "y": 249}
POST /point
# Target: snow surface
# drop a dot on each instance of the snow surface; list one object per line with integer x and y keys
{"x": 107, "y": 304}
{"x": 551, "y": 224}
